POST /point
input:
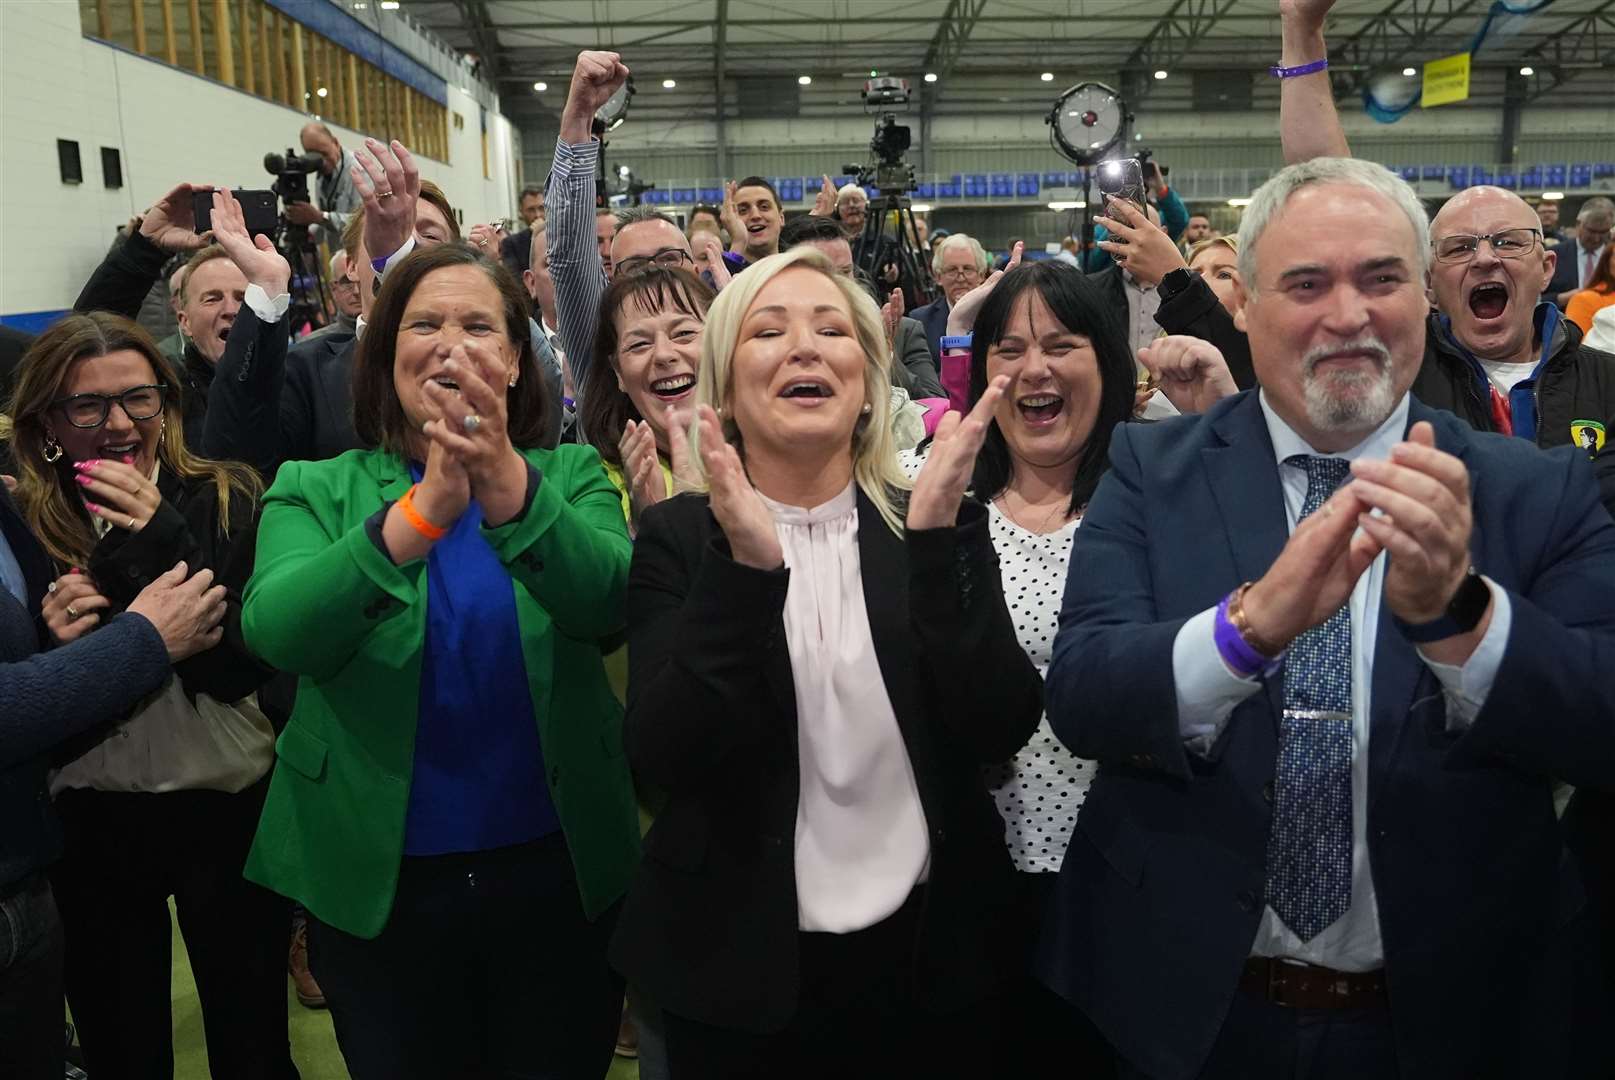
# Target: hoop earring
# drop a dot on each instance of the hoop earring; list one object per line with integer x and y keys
{"x": 53, "y": 449}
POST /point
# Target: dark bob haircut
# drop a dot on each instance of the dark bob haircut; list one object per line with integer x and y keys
{"x": 604, "y": 408}
{"x": 1081, "y": 309}
{"x": 378, "y": 417}
{"x": 808, "y": 229}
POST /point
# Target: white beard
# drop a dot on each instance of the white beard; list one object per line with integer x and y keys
{"x": 1348, "y": 401}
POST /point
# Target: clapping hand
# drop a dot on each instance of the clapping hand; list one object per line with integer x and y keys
{"x": 171, "y": 221}
{"x": 940, "y": 486}
{"x": 962, "y": 316}
{"x": 745, "y": 520}
{"x": 472, "y": 423}
{"x": 642, "y": 463}
{"x": 729, "y": 218}
{"x": 254, "y": 256}
{"x": 891, "y": 313}
{"x": 1424, "y": 523}
{"x": 389, "y": 182}
{"x": 130, "y": 499}
{"x": 1191, "y": 372}
{"x": 1315, "y": 573}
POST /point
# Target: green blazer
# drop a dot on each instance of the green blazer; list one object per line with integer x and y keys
{"x": 327, "y": 605}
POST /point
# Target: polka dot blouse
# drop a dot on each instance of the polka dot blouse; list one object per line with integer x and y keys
{"x": 1039, "y": 790}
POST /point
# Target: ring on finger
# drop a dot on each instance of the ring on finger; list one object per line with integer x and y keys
{"x": 384, "y": 194}
{"x": 472, "y": 422}
{"x": 72, "y": 612}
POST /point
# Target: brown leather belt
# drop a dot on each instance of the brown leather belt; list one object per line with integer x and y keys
{"x": 1306, "y": 986}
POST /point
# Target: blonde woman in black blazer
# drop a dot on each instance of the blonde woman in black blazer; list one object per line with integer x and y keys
{"x": 826, "y": 891}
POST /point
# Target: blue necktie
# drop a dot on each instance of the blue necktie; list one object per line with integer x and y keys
{"x": 1309, "y": 848}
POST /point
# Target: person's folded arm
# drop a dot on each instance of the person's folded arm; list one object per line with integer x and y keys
{"x": 316, "y": 593}
{"x": 989, "y": 694}
{"x": 1547, "y": 708}
{"x": 569, "y": 546}
{"x": 55, "y": 695}
{"x": 1108, "y": 693}
{"x": 699, "y": 642}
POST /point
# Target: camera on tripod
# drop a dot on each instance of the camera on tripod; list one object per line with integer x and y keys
{"x": 290, "y": 171}
{"x": 886, "y": 170}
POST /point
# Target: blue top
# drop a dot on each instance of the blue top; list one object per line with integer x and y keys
{"x": 479, "y": 768}
{"x": 1174, "y": 219}
{"x": 11, "y": 575}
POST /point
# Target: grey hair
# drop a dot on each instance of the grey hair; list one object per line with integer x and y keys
{"x": 847, "y": 190}
{"x": 343, "y": 256}
{"x": 957, "y": 240}
{"x": 1596, "y": 209}
{"x": 638, "y": 215}
{"x": 1272, "y": 196}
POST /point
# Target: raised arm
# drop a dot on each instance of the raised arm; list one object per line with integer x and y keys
{"x": 1309, "y": 125}
{"x": 580, "y": 276}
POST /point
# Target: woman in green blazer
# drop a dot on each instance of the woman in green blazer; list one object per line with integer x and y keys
{"x": 452, "y": 807}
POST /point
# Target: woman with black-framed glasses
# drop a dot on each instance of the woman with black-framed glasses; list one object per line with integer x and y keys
{"x": 165, "y": 802}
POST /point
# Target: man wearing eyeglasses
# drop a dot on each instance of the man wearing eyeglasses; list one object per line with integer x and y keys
{"x": 959, "y": 265}
{"x": 345, "y": 295}
{"x": 1497, "y": 355}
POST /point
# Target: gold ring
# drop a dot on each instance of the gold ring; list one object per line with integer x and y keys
{"x": 384, "y": 194}
{"x": 72, "y": 612}
{"x": 131, "y": 524}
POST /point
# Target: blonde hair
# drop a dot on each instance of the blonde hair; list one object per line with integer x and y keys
{"x": 874, "y": 456}
{"x": 1200, "y": 247}
{"x": 49, "y": 502}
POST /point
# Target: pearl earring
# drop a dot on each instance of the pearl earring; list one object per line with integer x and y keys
{"x": 867, "y": 408}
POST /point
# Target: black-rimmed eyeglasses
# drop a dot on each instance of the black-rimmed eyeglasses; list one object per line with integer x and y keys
{"x": 1505, "y": 244}
{"x": 668, "y": 258}
{"x": 91, "y": 410}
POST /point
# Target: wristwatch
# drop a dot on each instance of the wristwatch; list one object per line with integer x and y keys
{"x": 1174, "y": 283}
{"x": 1464, "y": 612}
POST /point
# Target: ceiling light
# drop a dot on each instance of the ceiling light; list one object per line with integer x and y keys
{"x": 360, "y": 6}
{"x": 1047, "y": 76}
{"x": 668, "y": 84}
{"x": 540, "y": 87}
{"x": 1410, "y": 72}
{"x": 389, "y": 5}
{"x": 1552, "y": 196}
{"x": 321, "y": 91}
{"x": 624, "y": 171}
{"x": 1239, "y": 202}
{"x": 1161, "y": 74}
{"x": 921, "y": 208}
{"x": 1528, "y": 70}
{"x": 1068, "y": 205}
{"x": 930, "y": 76}
{"x": 804, "y": 80}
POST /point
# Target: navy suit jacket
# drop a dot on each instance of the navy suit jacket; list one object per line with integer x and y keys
{"x": 1161, "y": 891}
{"x": 934, "y": 317}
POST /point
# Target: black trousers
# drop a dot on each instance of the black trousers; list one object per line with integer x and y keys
{"x": 858, "y": 1017}
{"x": 126, "y": 854}
{"x": 487, "y": 967}
{"x": 32, "y": 1028}
{"x": 1035, "y": 1025}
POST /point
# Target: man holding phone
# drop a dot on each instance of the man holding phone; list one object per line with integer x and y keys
{"x": 1145, "y": 184}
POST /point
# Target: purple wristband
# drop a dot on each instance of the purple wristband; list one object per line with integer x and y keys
{"x": 1299, "y": 69}
{"x": 1235, "y": 651}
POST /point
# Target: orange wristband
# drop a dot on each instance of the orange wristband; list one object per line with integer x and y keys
{"x": 416, "y": 522}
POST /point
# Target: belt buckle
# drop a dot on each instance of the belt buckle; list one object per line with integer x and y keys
{"x": 1276, "y": 982}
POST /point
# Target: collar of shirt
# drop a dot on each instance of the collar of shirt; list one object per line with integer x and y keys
{"x": 1286, "y": 442}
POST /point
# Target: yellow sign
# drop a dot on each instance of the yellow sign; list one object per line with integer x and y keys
{"x": 1587, "y": 434}
{"x": 1446, "y": 80}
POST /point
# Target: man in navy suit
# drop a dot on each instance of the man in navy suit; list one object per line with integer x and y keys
{"x": 1322, "y": 838}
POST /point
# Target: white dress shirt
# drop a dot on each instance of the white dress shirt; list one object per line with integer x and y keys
{"x": 1208, "y": 691}
{"x": 861, "y": 840}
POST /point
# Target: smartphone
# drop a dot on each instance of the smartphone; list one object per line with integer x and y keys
{"x": 260, "y": 208}
{"x": 1123, "y": 178}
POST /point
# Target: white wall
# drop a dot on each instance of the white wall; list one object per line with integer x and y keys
{"x": 169, "y": 126}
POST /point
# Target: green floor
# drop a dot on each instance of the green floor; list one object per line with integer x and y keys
{"x": 313, "y": 1043}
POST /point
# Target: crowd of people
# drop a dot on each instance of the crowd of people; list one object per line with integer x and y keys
{"x": 1188, "y": 657}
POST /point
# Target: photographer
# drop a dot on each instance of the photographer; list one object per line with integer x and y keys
{"x": 228, "y": 305}
{"x": 338, "y": 197}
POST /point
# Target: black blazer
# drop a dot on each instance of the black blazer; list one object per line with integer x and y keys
{"x": 710, "y": 926}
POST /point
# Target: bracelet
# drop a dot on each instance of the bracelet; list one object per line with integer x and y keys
{"x": 1299, "y": 69}
{"x": 1236, "y": 616}
{"x": 956, "y": 341}
{"x": 407, "y": 506}
{"x": 1235, "y": 651}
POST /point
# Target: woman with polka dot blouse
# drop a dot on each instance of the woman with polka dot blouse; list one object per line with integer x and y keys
{"x": 1071, "y": 383}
